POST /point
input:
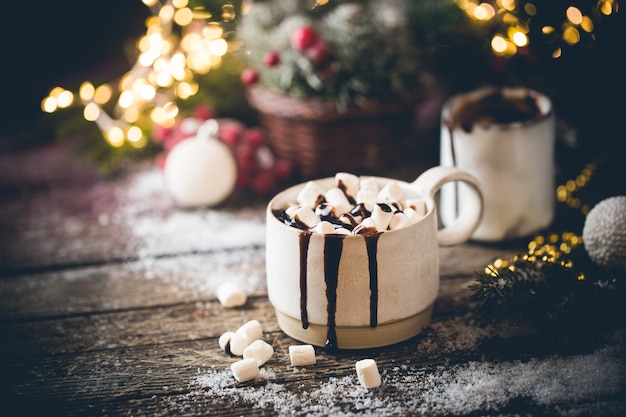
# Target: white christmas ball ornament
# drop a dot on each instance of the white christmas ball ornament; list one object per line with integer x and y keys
{"x": 200, "y": 172}
{"x": 604, "y": 233}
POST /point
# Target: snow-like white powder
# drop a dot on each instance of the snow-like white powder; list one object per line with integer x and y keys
{"x": 159, "y": 227}
{"x": 551, "y": 383}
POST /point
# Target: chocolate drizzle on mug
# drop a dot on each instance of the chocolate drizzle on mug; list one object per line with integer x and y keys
{"x": 371, "y": 242}
{"x": 304, "y": 239}
{"x": 333, "y": 247}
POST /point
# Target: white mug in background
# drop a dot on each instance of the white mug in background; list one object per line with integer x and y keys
{"x": 505, "y": 137}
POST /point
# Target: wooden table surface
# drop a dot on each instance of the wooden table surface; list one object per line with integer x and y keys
{"x": 108, "y": 307}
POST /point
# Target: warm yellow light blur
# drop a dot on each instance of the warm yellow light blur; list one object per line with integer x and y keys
{"x": 228, "y": 12}
{"x": 183, "y": 17}
{"x": 127, "y": 98}
{"x": 507, "y": 4}
{"x": 49, "y": 104}
{"x": 164, "y": 72}
{"x": 86, "y": 91}
{"x": 498, "y": 44}
{"x": 134, "y": 134}
{"x": 131, "y": 115}
{"x": 179, "y": 4}
{"x": 574, "y": 15}
{"x": 166, "y": 14}
{"x": 587, "y": 24}
{"x": 519, "y": 39}
{"x": 219, "y": 47}
{"x": 115, "y": 136}
{"x": 170, "y": 110}
{"x": 65, "y": 99}
{"x": 530, "y": 9}
{"x": 607, "y": 7}
{"x": 91, "y": 112}
{"x": 484, "y": 11}
{"x": 103, "y": 94}
{"x": 571, "y": 35}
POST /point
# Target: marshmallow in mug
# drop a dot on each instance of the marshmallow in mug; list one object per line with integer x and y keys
{"x": 356, "y": 205}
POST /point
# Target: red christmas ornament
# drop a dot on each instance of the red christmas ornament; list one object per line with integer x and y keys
{"x": 271, "y": 59}
{"x": 318, "y": 52}
{"x": 304, "y": 37}
{"x": 249, "y": 76}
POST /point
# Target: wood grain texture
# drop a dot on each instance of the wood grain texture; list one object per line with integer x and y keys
{"x": 108, "y": 308}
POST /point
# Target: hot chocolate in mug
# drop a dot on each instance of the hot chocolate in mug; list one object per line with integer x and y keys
{"x": 505, "y": 137}
{"x": 348, "y": 290}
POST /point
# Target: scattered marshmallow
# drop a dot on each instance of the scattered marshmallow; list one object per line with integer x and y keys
{"x": 224, "y": 340}
{"x": 233, "y": 343}
{"x": 310, "y": 195}
{"x": 367, "y": 372}
{"x": 302, "y": 355}
{"x": 231, "y": 295}
{"x": 245, "y": 369}
{"x": 251, "y": 331}
{"x": 260, "y": 350}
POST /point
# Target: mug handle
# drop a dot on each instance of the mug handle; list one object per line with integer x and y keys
{"x": 461, "y": 229}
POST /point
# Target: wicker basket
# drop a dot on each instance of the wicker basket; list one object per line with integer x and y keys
{"x": 320, "y": 141}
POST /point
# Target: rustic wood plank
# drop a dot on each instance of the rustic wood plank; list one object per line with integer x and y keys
{"x": 162, "y": 377}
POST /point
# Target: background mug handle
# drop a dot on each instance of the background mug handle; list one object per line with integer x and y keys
{"x": 462, "y": 228}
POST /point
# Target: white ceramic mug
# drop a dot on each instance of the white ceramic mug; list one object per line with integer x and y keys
{"x": 356, "y": 291}
{"x": 513, "y": 160}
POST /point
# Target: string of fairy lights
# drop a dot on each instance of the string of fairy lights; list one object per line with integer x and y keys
{"x": 181, "y": 43}
{"x": 554, "y": 247}
{"x": 178, "y": 44}
{"x": 514, "y": 20}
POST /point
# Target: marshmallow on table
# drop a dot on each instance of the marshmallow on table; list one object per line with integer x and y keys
{"x": 310, "y": 195}
{"x": 230, "y": 295}
{"x": 302, "y": 355}
{"x": 233, "y": 343}
{"x": 251, "y": 331}
{"x": 367, "y": 372}
{"x": 245, "y": 369}
{"x": 260, "y": 350}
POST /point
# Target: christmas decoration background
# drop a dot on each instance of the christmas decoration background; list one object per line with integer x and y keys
{"x": 569, "y": 52}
